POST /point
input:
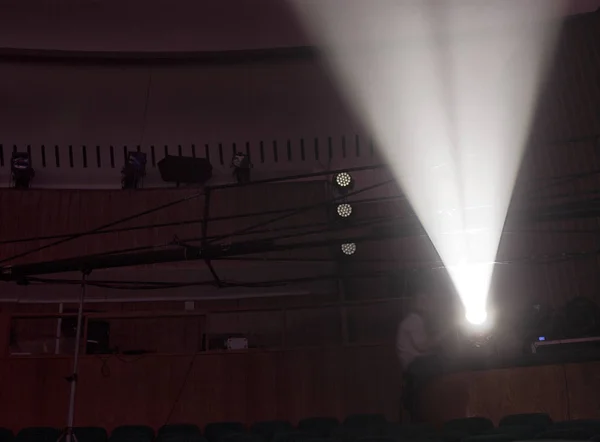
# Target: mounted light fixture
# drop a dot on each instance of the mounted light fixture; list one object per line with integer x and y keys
{"x": 134, "y": 170}
{"x": 241, "y": 167}
{"x": 344, "y": 210}
{"x": 343, "y": 182}
{"x": 21, "y": 171}
{"x": 348, "y": 248}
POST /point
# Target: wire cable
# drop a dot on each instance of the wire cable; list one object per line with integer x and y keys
{"x": 102, "y": 227}
{"x": 301, "y": 210}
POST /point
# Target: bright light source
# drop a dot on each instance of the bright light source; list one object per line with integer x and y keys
{"x": 448, "y": 90}
{"x": 344, "y": 210}
{"x": 343, "y": 179}
{"x": 476, "y": 317}
{"x": 472, "y": 283}
{"x": 349, "y": 248}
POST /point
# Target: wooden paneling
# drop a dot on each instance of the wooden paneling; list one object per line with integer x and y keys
{"x": 262, "y": 385}
{"x": 36, "y": 213}
{"x": 583, "y": 383}
{"x": 563, "y": 391}
{"x": 223, "y": 386}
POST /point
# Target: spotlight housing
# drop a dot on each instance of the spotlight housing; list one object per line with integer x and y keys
{"x": 348, "y": 248}
{"x": 241, "y": 167}
{"x": 343, "y": 182}
{"x": 344, "y": 210}
{"x": 134, "y": 170}
{"x": 21, "y": 171}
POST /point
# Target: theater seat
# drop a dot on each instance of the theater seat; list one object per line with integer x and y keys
{"x": 568, "y": 434}
{"x": 319, "y": 439}
{"x": 361, "y": 426}
{"x": 469, "y": 425}
{"x": 491, "y": 438}
{"x": 90, "y": 434}
{"x": 179, "y": 433}
{"x": 38, "y": 434}
{"x": 410, "y": 432}
{"x": 243, "y": 437}
{"x": 377, "y": 439}
{"x": 319, "y": 426}
{"x": 6, "y": 435}
{"x": 292, "y": 436}
{"x": 268, "y": 429}
{"x": 179, "y": 428}
{"x": 216, "y": 431}
{"x": 459, "y": 429}
{"x": 576, "y": 423}
{"x": 539, "y": 420}
{"x": 132, "y": 433}
{"x": 517, "y": 431}
{"x": 365, "y": 421}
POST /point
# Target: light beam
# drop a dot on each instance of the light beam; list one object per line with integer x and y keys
{"x": 447, "y": 88}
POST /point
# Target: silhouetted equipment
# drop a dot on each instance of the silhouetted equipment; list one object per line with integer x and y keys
{"x": 241, "y": 167}
{"x": 134, "y": 170}
{"x": 21, "y": 171}
{"x": 186, "y": 170}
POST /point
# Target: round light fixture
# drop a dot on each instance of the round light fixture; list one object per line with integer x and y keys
{"x": 349, "y": 248}
{"x": 343, "y": 179}
{"x": 344, "y": 210}
{"x": 476, "y": 317}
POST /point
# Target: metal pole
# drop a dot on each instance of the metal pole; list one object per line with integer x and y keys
{"x": 69, "y": 436}
{"x": 58, "y": 329}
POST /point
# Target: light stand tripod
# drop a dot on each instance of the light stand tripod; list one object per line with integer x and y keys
{"x": 68, "y": 435}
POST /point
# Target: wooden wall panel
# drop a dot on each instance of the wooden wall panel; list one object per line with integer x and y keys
{"x": 583, "y": 383}
{"x": 245, "y": 386}
{"x": 262, "y": 385}
{"x": 496, "y": 393}
{"x": 35, "y": 213}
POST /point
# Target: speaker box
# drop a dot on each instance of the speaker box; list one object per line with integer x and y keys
{"x": 188, "y": 170}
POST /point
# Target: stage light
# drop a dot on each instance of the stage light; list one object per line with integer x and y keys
{"x": 349, "y": 248}
{"x": 476, "y": 317}
{"x": 418, "y": 79}
{"x": 344, "y": 210}
{"x": 134, "y": 170}
{"x": 21, "y": 171}
{"x": 472, "y": 283}
{"x": 241, "y": 167}
{"x": 343, "y": 182}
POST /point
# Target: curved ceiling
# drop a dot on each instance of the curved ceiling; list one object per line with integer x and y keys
{"x": 158, "y": 25}
{"x": 147, "y": 25}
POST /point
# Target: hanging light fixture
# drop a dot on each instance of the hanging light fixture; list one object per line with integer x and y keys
{"x": 349, "y": 248}
{"x": 343, "y": 182}
{"x": 344, "y": 210}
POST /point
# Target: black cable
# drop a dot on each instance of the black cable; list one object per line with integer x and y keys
{"x": 188, "y": 241}
{"x": 103, "y": 232}
{"x": 300, "y": 176}
{"x": 301, "y": 210}
{"x": 102, "y": 227}
{"x": 544, "y": 259}
{"x": 188, "y": 221}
